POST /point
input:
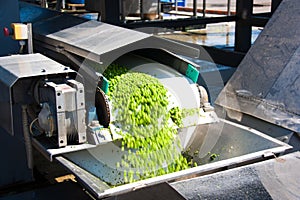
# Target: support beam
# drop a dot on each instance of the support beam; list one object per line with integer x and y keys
{"x": 243, "y": 30}
{"x": 257, "y": 21}
{"x": 178, "y": 22}
{"x": 274, "y": 5}
{"x": 216, "y": 55}
{"x": 110, "y": 10}
{"x": 195, "y": 8}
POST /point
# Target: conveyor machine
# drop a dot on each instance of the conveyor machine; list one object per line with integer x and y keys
{"x": 52, "y": 106}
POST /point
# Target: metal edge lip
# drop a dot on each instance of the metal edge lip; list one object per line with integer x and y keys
{"x": 50, "y": 153}
{"x": 87, "y": 179}
{"x": 192, "y": 171}
{"x": 94, "y": 188}
{"x": 263, "y": 135}
{"x": 254, "y": 105}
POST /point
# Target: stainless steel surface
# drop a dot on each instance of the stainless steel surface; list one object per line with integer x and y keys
{"x": 277, "y": 178}
{"x": 29, "y": 40}
{"x": 67, "y": 101}
{"x": 94, "y": 184}
{"x": 50, "y": 150}
{"x": 80, "y": 112}
{"x": 16, "y": 67}
{"x": 225, "y": 138}
{"x": 93, "y": 40}
{"x": 266, "y": 83}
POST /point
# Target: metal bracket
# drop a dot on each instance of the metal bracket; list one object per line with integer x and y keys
{"x": 70, "y": 111}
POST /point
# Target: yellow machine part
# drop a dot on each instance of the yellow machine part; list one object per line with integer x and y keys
{"x": 20, "y": 31}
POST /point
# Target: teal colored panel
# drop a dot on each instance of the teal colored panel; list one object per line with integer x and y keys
{"x": 192, "y": 73}
{"x": 105, "y": 85}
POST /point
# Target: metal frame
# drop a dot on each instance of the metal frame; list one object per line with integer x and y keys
{"x": 243, "y": 17}
{"x": 243, "y": 31}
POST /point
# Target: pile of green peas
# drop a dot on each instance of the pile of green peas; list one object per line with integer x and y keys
{"x": 140, "y": 107}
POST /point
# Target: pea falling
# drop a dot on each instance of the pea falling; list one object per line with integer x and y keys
{"x": 140, "y": 107}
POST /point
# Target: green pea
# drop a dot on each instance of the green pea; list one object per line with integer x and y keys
{"x": 140, "y": 100}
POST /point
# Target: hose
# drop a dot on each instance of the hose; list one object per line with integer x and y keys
{"x": 27, "y": 138}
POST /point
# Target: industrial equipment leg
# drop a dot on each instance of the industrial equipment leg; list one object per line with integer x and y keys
{"x": 141, "y": 9}
{"x": 204, "y": 8}
{"x": 243, "y": 30}
{"x": 60, "y": 4}
{"x": 195, "y": 8}
{"x": 228, "y": 7}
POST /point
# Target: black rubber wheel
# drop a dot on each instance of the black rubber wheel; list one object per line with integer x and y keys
{"x": 102, "y": 108}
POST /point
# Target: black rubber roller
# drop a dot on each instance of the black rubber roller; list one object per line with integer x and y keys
{"x": 102, "y": 108}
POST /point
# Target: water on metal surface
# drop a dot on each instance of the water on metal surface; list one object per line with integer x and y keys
{"x": 219, "y": 35}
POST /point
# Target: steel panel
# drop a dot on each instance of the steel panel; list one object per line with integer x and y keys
{"x": 266, "y": 84}
{"x": 92, "y": 39}
{"x": 16, "y": 67}
{"x": 20, "y": 66}
{"x": 277, "y": 178}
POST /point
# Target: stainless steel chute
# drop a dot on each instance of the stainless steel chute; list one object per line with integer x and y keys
{"x": 224, "y": 138}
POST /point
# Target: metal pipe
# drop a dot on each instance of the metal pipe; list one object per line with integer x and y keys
{"x": 176, "y": 5}
{"x": 204, "y": 8}
{"x": 29, "y": 40}
{"x": 141, "y": 9}
{"x": 60, "y": 4}
{"x": 122, "y": 10}
{"x": 195, "y": 8}
{"x": 228, "y": 7}
{"x": 158, "y": 8}
{"x": 243, "y": 30}
{"x": 27, "y": 138}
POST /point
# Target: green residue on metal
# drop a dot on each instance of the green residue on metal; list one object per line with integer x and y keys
{"x": 192, "y": 73}
{"x": 105, "y": 85}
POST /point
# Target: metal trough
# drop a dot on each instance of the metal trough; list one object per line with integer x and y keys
{"x": 232, "y": 143}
